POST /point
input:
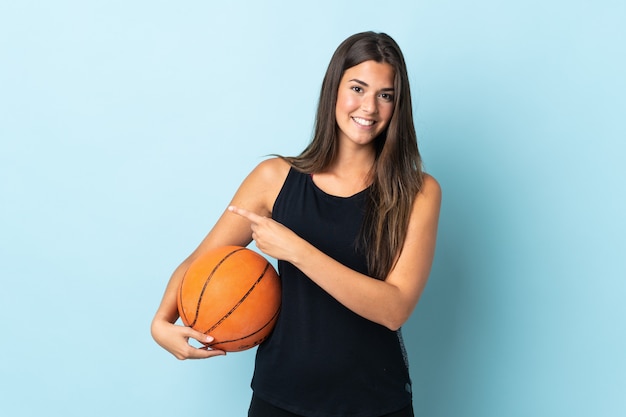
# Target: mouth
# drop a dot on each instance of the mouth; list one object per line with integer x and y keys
{"x": 363, "y": 122}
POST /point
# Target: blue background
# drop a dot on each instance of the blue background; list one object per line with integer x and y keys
{"x": 126, "y": 127}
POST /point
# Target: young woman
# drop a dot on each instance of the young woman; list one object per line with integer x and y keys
{"x": 352, "y": 221}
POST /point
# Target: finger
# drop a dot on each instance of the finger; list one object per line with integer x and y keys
{"x": 253, "y": 217}
{"x": 205, "y": 352}
{"x": 205, "y": 339}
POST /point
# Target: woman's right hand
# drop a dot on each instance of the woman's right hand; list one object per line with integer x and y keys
{"x": 257, "y": 194}
{"x": 175, "y": 339}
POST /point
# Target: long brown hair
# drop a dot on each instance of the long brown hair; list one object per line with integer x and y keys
{"x": 397, "y": 171}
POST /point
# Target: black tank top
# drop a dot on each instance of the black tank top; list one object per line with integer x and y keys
{"x": 322, "y": 359}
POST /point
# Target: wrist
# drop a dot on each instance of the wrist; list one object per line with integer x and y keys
{"x": 301, "y": 253}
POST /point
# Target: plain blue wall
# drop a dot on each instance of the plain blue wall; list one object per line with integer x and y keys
{"x": 126, "y": 127}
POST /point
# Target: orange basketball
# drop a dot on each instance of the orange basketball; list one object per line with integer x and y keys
{"x": 233, "y": 294}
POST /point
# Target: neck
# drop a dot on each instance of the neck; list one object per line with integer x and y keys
{"x": 349, "y": 173}
{"x": 352, "y": 157}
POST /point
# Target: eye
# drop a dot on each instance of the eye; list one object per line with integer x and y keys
{"x": 386, "y": 96}
{"x": 356, "y": 89}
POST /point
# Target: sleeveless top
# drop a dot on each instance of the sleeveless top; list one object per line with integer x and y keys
{"x": 322, "y": 359}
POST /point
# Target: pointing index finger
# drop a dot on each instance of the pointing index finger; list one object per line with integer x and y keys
{"x": 253, "y": 217}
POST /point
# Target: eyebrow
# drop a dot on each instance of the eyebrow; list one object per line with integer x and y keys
{"x": 364, "y": 84}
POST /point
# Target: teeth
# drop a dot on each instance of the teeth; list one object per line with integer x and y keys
{"x": 363, "y": 122}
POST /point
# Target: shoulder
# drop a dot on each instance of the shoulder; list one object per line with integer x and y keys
{"x": 427, "y": 202}
{"x": 262, "y": 186}
{"x": 430, "y": 188}
{"x": 273, "y": 166}
{"x": 270, "y": 171}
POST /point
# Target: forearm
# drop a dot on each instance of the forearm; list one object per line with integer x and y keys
{"x": 388, "y": 302}
{"x": 373, "y": 299}
{"x": 168, "y": 309}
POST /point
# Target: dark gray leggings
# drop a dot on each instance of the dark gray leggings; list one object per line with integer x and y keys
{"x": 260, "y": 408}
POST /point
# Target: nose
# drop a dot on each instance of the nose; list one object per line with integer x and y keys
{"x": 369, "y": 104}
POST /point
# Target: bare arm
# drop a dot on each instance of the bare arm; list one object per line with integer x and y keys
{"x": 258, "y": 191}
{"x": 389, "y": 302}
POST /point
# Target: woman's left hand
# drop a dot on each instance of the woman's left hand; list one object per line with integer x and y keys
{"x": 271, "y": 237}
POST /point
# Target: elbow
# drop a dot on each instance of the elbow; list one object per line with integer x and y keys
{"x": 395, "y": 321}
{"x": 397, "y": 313}
{"x": 394, "y": 326}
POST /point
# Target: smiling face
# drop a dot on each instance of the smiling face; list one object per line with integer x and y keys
{"x": 365, "y": 102}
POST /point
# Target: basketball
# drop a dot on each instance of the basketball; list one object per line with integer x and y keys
{"x": 232, "y": 294}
